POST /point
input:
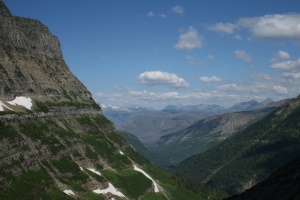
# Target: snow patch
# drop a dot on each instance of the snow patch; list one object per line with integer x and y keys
{"x": 111, "y": 189}
{"x": 149, "y": 177}
{"x": 121, "y": 152}
{"x": 69, "y": 192}
{"x": 94, "y": 171}
{"x": 2, "y": 106}
{"x": 22, "y": 101}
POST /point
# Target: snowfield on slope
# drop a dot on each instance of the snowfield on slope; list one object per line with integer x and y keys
{"x": 111, "y": 189}
{"x": 94, "y": 171}
{"x": 22, "y": 101}
{"x": 149, "y": 177}
{"x": 2, "y": 106}
{"x": 69, "y": 192}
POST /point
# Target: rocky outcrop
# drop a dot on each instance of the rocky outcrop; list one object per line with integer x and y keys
{"x": 32, "y": 65}
{"x": 28, "y": 34}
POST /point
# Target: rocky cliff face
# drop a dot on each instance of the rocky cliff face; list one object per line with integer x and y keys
{"x": 32, "y": 63}
{"x": 30, "y": 35}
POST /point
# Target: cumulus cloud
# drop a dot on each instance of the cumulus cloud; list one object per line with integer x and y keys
{"x": 228, "y": 87}
{"x": 286, "y": 66}
{"x": 291, "y": 76}
{"x": 189, "y": 40}
{"x": 280, "y": 89}
{"x": 280, "y": 55}
{"x": 283, "y": 55}
{"x": 286, "y": 26}
{"x": 210, "y": 79}
{"x": 178, "y": 10}
{"x": 261, "y": 77}
{"x": 162, "y": 78}
{"x": 242, "y": 55}
{"x": 227, "y": 28}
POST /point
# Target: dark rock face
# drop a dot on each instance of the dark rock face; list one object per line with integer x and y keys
{"x": 27, "y": 34}
{"x": 31, "y": 63}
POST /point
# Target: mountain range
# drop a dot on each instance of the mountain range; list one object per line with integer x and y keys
{"x": 202, "y": 135}
{"x": 177, "y": 132}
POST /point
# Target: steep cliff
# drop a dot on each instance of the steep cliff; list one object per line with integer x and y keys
{"x": 55, "y": 143}
{"x": 32, "y": 63}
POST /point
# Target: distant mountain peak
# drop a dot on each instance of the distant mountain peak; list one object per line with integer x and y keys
{"x": 253, "y": 100}
{"x": 266, "y": 101}
{"x": 243, "y": 106}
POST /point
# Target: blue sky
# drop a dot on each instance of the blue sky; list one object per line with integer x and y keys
{"x": 156, "y": 53}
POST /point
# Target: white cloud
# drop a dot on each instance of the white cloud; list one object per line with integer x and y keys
{"x": 273, "y": 26}
{"x": 150, "y": 14}
{"x": 189, "y": 40}
{"x": 283, "y": 55}
{"x": 291, "y": 76}
{"x": 286, "y": 66}
{"x": 210, "y": 79}
{"x": 178, "y": 10}
{"x": 242, "y": 55}
{"x": 280, "y": 55}
{"x": 227, "y": 28}
{"x": 162, "y": 78}
{"x": 261, "y": 77}
{"x": 228, "y": 87}
{"x": 280, "y": 89}
{"x": 193, "y": 60}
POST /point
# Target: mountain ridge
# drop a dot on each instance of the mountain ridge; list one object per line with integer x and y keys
{"x": 251, "y": 155}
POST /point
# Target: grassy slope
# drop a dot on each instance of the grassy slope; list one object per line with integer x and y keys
{"x": 74, "y": 142}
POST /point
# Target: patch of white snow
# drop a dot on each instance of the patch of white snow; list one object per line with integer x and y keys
{"x": 94, "y": 171}
{"x": 22, "y": 101}
{"x": 2, "y": 106}
{"x": 69, "y": 192}
{"x": 111, "y": 189}
{"x": 149, "y": 177}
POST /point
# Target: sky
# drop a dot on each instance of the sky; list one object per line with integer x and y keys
{"x": 156, "y": 53}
